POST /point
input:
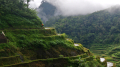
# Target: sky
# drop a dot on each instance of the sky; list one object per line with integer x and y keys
{"x": 74, "y": 7}
{"x": 35, "y": 3}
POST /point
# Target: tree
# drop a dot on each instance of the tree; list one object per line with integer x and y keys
{"x": 14, "y": 14}
{"x": 28, "y": 2}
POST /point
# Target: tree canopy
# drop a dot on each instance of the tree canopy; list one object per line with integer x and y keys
{"x": 98, "y": 27}
{"x": 15, "y": 14}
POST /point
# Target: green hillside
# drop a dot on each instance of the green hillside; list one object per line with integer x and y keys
{"x": 98, "y": 27}
{"x": 44, "y": 48}
{"x": 24, "y": 42}
{"x": 15, "y": 14}
{"x": 98, "y": 31}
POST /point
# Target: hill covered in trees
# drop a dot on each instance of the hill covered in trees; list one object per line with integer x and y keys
{"x": 23, "y": 43}
{"x": 99, "y": 27}
{"x": 98, "y": 31}
{"x": 16, "y": 14}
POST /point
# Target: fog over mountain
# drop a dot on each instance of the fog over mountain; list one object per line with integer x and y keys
{"x": 75, "y": 7}
{"x": 70, "y": 7}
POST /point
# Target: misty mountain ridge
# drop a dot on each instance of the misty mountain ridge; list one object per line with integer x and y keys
{"x": 97, "y": 22}
{"x": 47, "y": 10}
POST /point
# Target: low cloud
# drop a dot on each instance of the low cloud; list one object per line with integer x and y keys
{"x": 35, "y": 4}
{"x": 74, "y": 7}
{"x": 77, "y": 7}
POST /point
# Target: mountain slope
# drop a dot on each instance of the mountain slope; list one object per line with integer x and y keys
{"x": 99, "y": 27}
{"x": 44, "y": 48}
{"x": 15, "y": 14}
{"x": 24, "y": 42}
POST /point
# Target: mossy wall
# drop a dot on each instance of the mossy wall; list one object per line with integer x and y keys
{"x": 53, "y": 52}
{"x": 45, "y": 32}
{"x": 61, "y": 62}
{"x": 9, "y": 60}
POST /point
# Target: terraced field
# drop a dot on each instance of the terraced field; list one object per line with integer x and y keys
{"x": 110, "y": 52}
{"x": 44, "y": 48}
{"x": 85, "y": 61}
{"x": 98, "y": 49}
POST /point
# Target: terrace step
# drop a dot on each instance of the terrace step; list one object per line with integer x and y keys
{"x": 44, "y": 32}
{"x": 52, "y": 37}
{"x": 9, "y": 60}
{"x": 43, "y": 62}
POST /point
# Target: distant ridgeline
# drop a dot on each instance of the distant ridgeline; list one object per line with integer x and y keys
{"x": 99, "y": 27}
{"x": 15, "y": 14}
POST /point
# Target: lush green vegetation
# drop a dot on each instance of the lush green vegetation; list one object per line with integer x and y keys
{"x": 99, "y": 27}
{"x": 16, "y": 14}
{"x": 35, "y": 38}
{"x": 109, "y": 51}
{"x": 27, "y": 45}
{"x": 64, "y": 61}
{"x": 98, "y": 31}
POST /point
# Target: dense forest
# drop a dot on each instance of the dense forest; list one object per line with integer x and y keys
{"x": 99, "y": 27}
{"x": 16, "y": 14}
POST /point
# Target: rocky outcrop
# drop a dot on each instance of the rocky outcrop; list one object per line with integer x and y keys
{"x": 3, "y": 39}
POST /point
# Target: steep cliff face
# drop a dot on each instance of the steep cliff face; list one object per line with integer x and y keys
{"x": 44, "y": 48}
